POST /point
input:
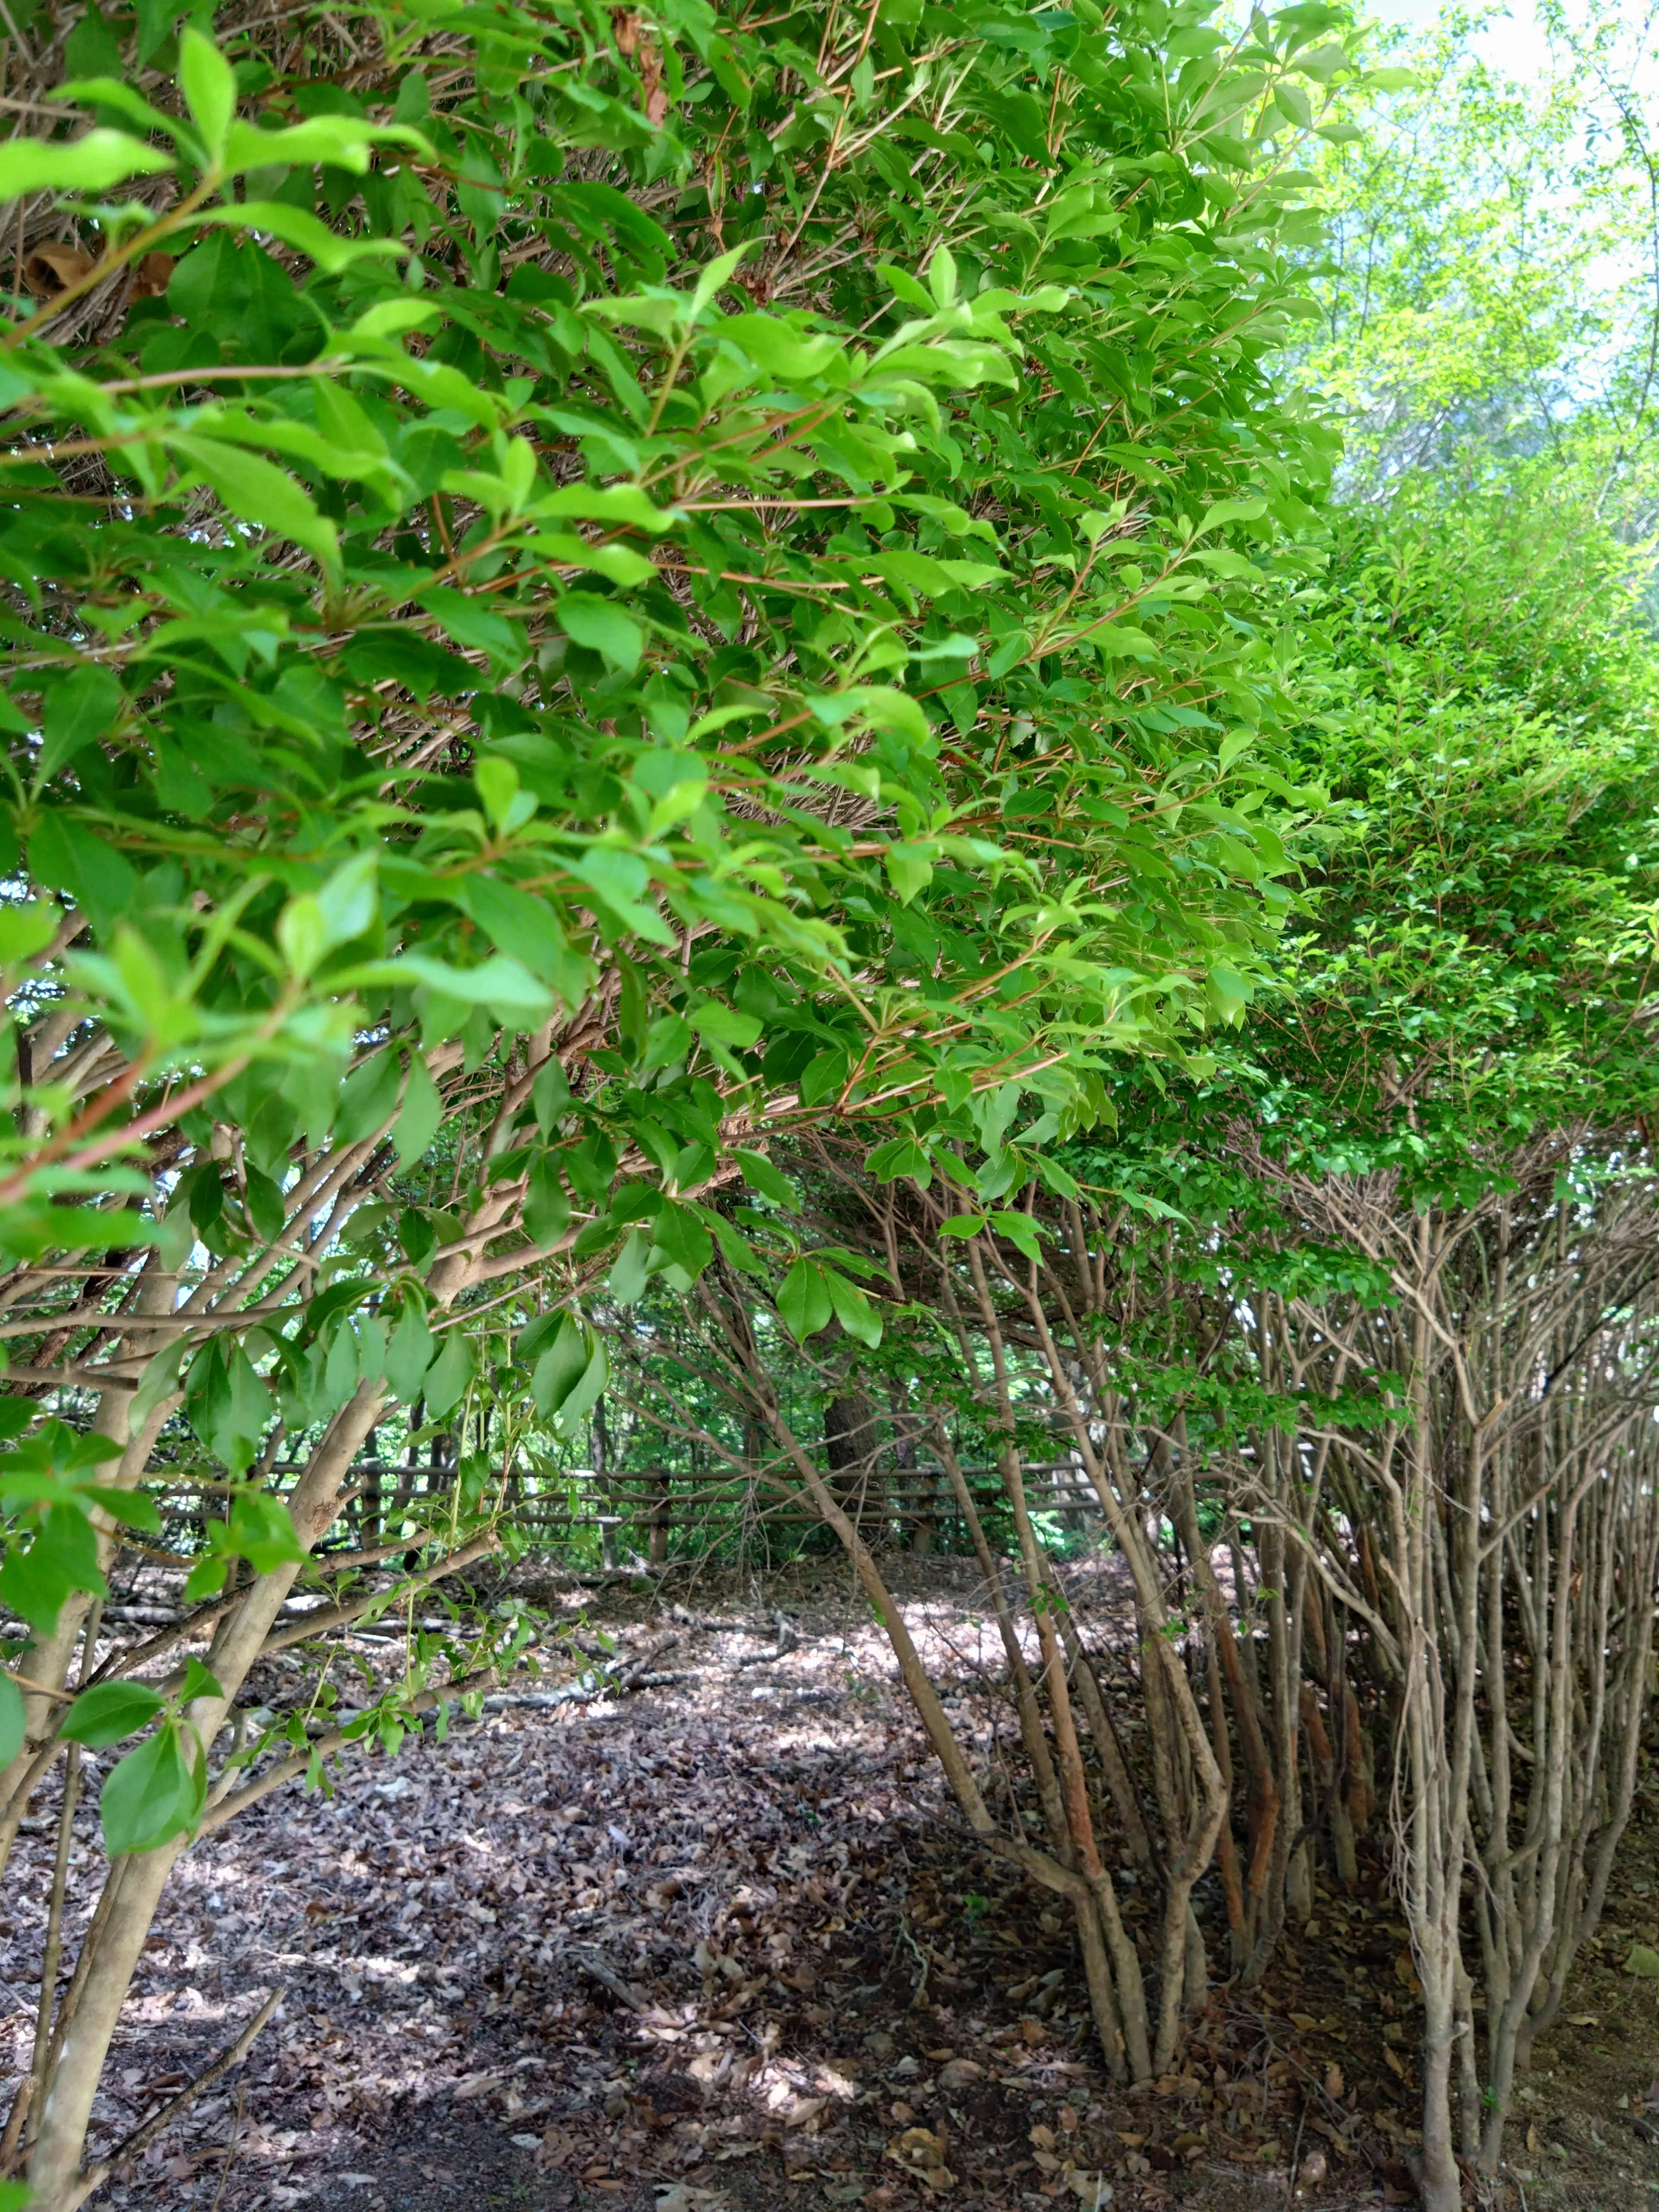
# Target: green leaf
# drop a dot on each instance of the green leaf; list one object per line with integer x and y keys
{"x": 340, "y": 1368}
{"x": 265, "y": 1209}
{"x": 110, "y": 92}
{"x": 448, "y": 1376}
{"x": 584, "y": 1395}
{"x": 12, "y": 1720}
{"x": 823, "y": 1077}
{"x": 409, "y": 1353}
{"x": 27, "y": 929}
{"x": 679, "y": 1235}
{"x": 206, "y": 1579}
{"x": 505, "y": 987}
{"x": 473, "y": 623}
{"x": 561, "y": 1366}
{"x": 158, "y": 1382}
{"x": 1230, "y": 510}
{"x": 368, "y": 1100}
{"x": 804, "y": 1305}
{"x": 547, "y": 1208}
{"x": 331, "y": 252}
{"x": 341, "y": 142}
{"x": 724, "y": 1024}
{"x": 422, "y": 1114}
{"x": 619, "y": 505}
{"x": 261, "y": 1531}
{"x": 110, "y": 1710}
{"x": 549, "y": 1094}
{"x": 717, "y": 275}
{"x": 91, "y": 163}
{"x": 210, "y": 88}
{"x": 629, "y": 1272}
{"x": 153, "y": 1795}
{"x": 73, "y": 714}
{"x": 603, "y": 628}
{"x": 37, "y": 1579}
{"x": 1019, "y": 1228}
{"x": 525, "y": 928}
{"x": 853, "y": 1309}
{"x": 229, "y": 1406}
{"x": 900, "y": 1156}
{"x": 260, "y": 494}
{"x": 198, "y": 1682}
{"x": 761, "y": 1176}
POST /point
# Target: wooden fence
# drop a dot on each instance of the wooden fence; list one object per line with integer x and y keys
{"x": 641, "y": 1508}
{"x": 656, "y": 1501}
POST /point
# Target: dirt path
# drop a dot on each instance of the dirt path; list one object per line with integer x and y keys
{"x": 718, "y": 1946}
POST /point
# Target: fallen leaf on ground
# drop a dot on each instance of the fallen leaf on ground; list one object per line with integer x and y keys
{"x": 682, "y": 2197}
{"x": 918, "y": 2147}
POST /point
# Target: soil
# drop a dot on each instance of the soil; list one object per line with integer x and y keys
{"x": 721, "y": 1945}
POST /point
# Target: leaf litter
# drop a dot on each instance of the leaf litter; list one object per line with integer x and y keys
{"x": 721, "y": 1945}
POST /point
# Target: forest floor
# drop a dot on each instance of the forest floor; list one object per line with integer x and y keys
{"x": 720, "y": 1945}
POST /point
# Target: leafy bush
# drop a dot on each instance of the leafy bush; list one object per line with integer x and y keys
{"x": 586, "y": 588}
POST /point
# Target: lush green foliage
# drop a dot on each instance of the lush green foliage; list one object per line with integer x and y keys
{"x": 622, "y": 585}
